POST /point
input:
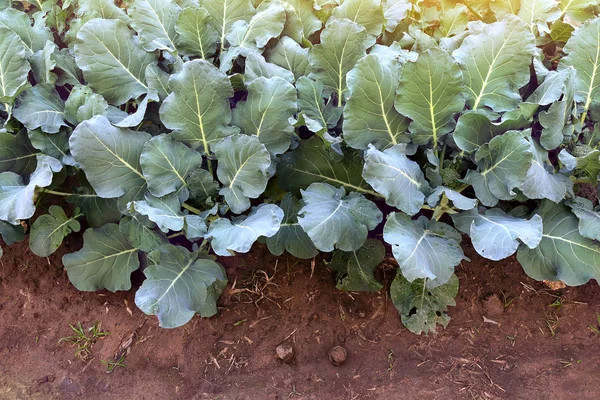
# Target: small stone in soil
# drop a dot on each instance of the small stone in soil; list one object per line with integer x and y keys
{"x": 338, "y": 355}
{"x": 492, "y": 305}
{"x": 285, "y": 352}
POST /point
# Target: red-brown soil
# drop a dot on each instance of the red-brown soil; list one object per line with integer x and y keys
{"x": 514, "y": 355}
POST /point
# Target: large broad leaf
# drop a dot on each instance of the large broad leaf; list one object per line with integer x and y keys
{"x": 538, "y": 13}
{"x": 198, "y": 108}
{"x": 11, "y": 233}
{"x": 247, "y": 37}
{"x": 369, "y": 115}
{"x": 67, "y": 69}
{"x": 83, "y": 104}
{"x": 34, "y": 36}
{"x": 49, "y": 230}
{"x": 301, "y": 21}
{"x": 106, "y": 261}
{"x": 140, "y": 232}
{"x": 589, "y": 219}
{"x": 541, "y": 181}
{"x": 333, "y": 219}
{"x": 110, "y": 158}
{"x": 291, "y": 237}
{"x": 430, "y": 93}
{"x": 423, "y": 248}
{"x": 13, "y": 64}
{"x": 310, "y": 162}
{"x": 422, "y": 308}
{"x": 196, "y": 36}
{"x": 224, "y": 13}
{"x": 239, "y": 234}
{"x": 395, "y": 11}
{"x": 256, "y": 67}
{"x": 112, "y": 61}
{"x": 244, "y": 170}
{"x": 202, "y": 186}
{"x": 577, "y": 11}
{"x": 17, "y": 199}
{"x": 164, "y": 211}
{"x": 318, "y": 116}
{"x": 583, "y": 54}
{"x": 155, "y": 20}
{"x": 503, "y": 164}
{"x": 563, "y": 254}
{"x": 364, "y": 12}
{"x": 55, "y": 145}
{"x": 461, "y": 202}
{"x": 16, "y": 153}
{"x": 180, "y": 284}
{"x": 495, "y": 64}
{"x": 496, "y": 235}
{"x": 343, "y": 43}
{"x": 354, "y": 269}
{"x": 40, "y": 107}
{"x": 167, "y": 163}
{"x": 289, "y": 55}
{"x": 267, "y": 112}
{"x": 43, "y": 63}
{"x": 397, "y": 178}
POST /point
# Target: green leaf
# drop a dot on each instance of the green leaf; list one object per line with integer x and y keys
{"x": 423, "y": 248}
{"x": 541, "y": 181}
{"x": 49, "y": 230}
{"x": 165, "y": 212}
{"x": 583, "y": 54}
{"x": 33, "y": 37}
{"x": 577, "y": 11}
{"x": 310, "y": 162}
{"x": 256, "y": 67}
{"x": 585, "y": 166}
{"x": 589, "y": 219}
{"x": 397, "y": 178}
{"x": 180, "y": 284}
{"x": 140, "y": 232}
{"x": 240, "y": 233}
{"x": 453, "y": 21}
{"x": 97, "y": 211}
{"x": 42, "y": 64}
{"x": 13, "y": 64}
{"x": 266, "y": 113}
{"x": 395, "y": 11}
{"x": 369, "y": 115}
{"x": 154, "y": 20}
{"x": 246, "y": 37}
{"x": 363, "y": 12}
{"x": 333, "y": 219}
{"x": 301, "y": 20}
{"x": 65, "y": 62}
{"x": 16, "y": 153}
{"x": 474, "y": 129}
{"x": 496, "y": 235}
{"x": 17, "y": 199}
{"x": 202, "y": 186}
{"x": 461, "y": 202}
{"x": 112, "y": 61}
{"x": 354, "y": 269}
{"x": 244, "y": 170}
{"x": 503, "y": 164}
{"x": 198, "y": 108}
{"x": 538, "y": 13}
{"x": 196, "y": 36}
{"x": 83, "y": 104}
{"x": 289, "y": 55}
{"x": 106, "y": 261}
{"x": 11, "y": 233}
{"x": 224, "y": 13}
{"x": 420, "y": 307}
{"x": 495, "y": 64}
{"x": 318, "y": 116}
{"x": 110, "y": 158}
{"x": 430, "y": 93}
{"x": 343, "y": 43}
{"x": 563, "y": 254}
{"x": 291, "y": 237}
{"x": 40, "y": 107}
{"x": 166, "y": 164}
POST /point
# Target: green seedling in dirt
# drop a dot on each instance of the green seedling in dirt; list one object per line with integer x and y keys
{"x": 558, "y": 303}
{"x": 511, "y": 339}
{"x": 552, "y": 324}
{"x": 111, "y": 365}
{"x": 507, "y": 301}
{"x": 596, "y": 329}
{"x": 84, "y": 339}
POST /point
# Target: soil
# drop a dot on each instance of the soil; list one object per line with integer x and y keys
{"x": 509, "y": 338}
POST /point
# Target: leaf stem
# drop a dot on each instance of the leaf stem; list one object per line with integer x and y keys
{"x": 174, "y": 235}
{"x": 192, "y": 209}
{"x": 64, "y": 194}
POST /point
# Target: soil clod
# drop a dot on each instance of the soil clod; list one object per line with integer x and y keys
{"x": 285, "y": 352}
{"x": 338, "y": 355}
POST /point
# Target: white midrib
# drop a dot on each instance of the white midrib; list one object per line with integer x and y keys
{"x": 224, "y": 25}
{"x": 588, "y": 101}
{"x": 340, "y": 204}
{"x": 432, "y": 113}
{"x": 58, "y": 227}
{"x": 106, "y": 258}
{"x": 384, "y": 115}
{"x": 200, "y": 121}
{"x": 120, "y": 63}
{"x": 173, "y": 167}
{"x": 162, "y": 26}
{"x": 115, "y": 155}
{"x": 168, "y": 289}
{"x": 572, "y": 243}
{"x": 489, "y": 73}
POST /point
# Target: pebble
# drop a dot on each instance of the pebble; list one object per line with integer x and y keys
{"x": 285, "y": 352}
{"x": 338, "y": 355}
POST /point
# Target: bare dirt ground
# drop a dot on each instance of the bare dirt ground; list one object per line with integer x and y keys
{"x": 509, "y": 338}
